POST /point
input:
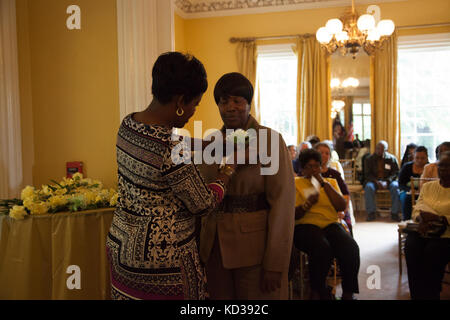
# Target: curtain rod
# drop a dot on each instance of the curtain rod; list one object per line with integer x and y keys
{"x": 249, "y": 39}
{"x": 306, "y": 35}
{"x": 420, "y": 26}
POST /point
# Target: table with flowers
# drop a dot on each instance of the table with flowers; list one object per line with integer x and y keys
{"x": 52, "y": 242}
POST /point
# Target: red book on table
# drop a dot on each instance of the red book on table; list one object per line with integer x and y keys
{"x": 73, "y": 167}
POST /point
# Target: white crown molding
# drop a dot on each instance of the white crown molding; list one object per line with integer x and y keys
{"x": 186, "y": 11}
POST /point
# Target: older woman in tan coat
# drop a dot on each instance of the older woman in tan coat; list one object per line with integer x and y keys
{"x": 246, "y": 243}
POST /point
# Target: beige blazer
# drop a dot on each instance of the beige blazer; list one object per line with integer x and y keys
{"x": 255, "y": 222}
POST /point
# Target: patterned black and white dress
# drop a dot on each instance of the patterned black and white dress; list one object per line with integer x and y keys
{"x": 151, "y": 245}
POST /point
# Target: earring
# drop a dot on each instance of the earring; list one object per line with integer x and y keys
{"x": 180, "y": 113}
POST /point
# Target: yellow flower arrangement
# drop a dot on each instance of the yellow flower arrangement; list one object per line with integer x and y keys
{"x": 75, "y": 194}
{"x": 18, "y": 212}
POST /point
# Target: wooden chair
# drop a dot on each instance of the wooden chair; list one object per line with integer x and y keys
{"x": 300, "y": 275}
{"x": 349, "y": 171}
{"x": 354, "y": 186}
{"x": 415, "y": 190}
{"x": 401, "y": 246}
{"x": 383, "y": 202}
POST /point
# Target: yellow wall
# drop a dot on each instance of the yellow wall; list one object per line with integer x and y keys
{"x": 208, "y": 38}
{"x": 180, "y": 44}
{"x": 71, "y": 79}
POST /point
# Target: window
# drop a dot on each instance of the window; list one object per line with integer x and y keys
{"x": 277, "y": 84}
{"x": 423, "y": 78}
{"x": 362, "y": 122}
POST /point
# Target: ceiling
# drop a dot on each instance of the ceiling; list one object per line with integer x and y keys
{"x": 211, "y": 8}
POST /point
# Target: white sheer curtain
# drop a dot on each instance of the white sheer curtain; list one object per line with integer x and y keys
{"x": 11, "y": 175}
{"x": 145, "y": 30}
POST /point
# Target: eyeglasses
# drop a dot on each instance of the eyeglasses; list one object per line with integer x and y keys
{"x": 312, "y": 166}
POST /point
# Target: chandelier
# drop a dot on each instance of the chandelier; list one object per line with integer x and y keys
{"x": 350, "y": 82}
{"x": 351, "y": 32}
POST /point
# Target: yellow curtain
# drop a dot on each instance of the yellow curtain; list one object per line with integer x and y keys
{"x": 348, "y": 112}
{"x": 313, "y": 90}
{"x": 383, "y": 96}
{"x": 246, "y": 58}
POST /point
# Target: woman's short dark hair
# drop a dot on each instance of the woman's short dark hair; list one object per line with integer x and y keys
{"x": 313, "y": 139}
{"x": 175, "y": 73}
{"x": 233, "y": 84}
{"x": 446, "y": 144}
{"x": 307, "y": 155}
{"x": 421, "y": 149}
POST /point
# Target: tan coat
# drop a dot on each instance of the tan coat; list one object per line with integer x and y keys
{"x": 255, "y": 223}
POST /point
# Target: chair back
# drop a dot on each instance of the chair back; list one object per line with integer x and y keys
{"x": 416, "y": 184}
{"x": 349, "y": 170}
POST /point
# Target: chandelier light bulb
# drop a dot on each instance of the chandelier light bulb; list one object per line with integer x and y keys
{"x": 342, "y": 36}
{"x": 374, "y": 35}
{"x": 366, "y": 22}
{"x": 335, "y": 83}
{"x": 337, "y": 105}
{"x": 323, "y": 36}
{"x": 386, "y": 27}
{"x": 334, "y": 26}
{"x": 350, "y": 82}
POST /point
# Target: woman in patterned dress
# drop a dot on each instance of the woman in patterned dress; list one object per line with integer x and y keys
{"x": 151, "y": 244}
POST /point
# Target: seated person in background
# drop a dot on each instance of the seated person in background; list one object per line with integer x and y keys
{"x": 365, "y": 149}
{"x": 380, "y": 171}
{"x": 427, "y": 251}
{"x": 411, "y": 169}
{"x": 409, "y": 154}
{"x": 304, "y": 145}
{"x": 334, "y": 159}
{"x": 313, "y": 139}
{"x": 430, "y": 170}
{"x": 328, "y": 172}
{"x": 357, "y": 143}
{"x": 339, "y": 138}
{"x": 318, "y": 232}
{"x": 292, "y": 151}
{"x": 295, "y": 163}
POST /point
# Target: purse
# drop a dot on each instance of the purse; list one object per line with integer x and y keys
{"x": 436, "y": 229}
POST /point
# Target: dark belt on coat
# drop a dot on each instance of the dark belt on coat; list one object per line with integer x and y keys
{"x": 244, "y": 203}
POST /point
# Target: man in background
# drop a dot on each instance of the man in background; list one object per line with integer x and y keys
{"x": 380, "y": 173}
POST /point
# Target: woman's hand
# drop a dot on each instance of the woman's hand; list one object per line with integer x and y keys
{"x": 426, "y": 218}
{"x": 270, "y": 281}
{"x": 319, "y": 178}
{"x": 312, "y": 199}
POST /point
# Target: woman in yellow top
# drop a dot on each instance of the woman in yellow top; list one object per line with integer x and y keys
{"x": 318, "y": 232}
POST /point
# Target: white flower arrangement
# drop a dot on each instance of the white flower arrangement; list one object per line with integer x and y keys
{"x": 238, "y": 137}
